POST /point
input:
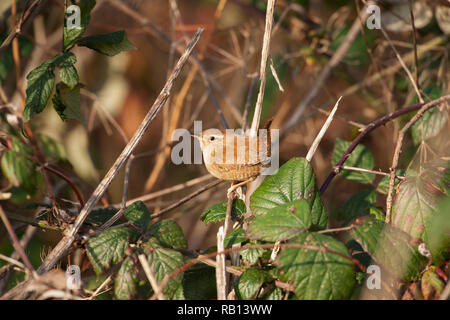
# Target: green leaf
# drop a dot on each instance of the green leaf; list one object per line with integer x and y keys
{"x": 275, "y": 294}
{"x": 126, "y": 281}
{"x": 418, "y": 197}
{"x": 138, "y": 214}
{"x": 383, "y": 185}
{"x": 251, "y": 256}
{"x": 389, "y": 247}
{"x": 431, "y": 284}
{"x": 318, "y": 275}
{"x": 99, "y": 216}
{"x": 235, "y": 236}
{"x": 429, "y": 125}
{"x": 295, "y": 180}
{"x": 41, "y": 81}
{"x": 39, "y": 89}
{"x": 199, "y": 283}
{"x": 66, "y": 102}
{"x": 68, "y": 75}
{"x": 438, "y": 237}
{"x": 108, "y": 247}
{"x": 281, "y": 223}
{"x": 217, "y": 212}
{"x": 163, "y": 262}
{"x": 357, "y": 205}
{"x": 249, "y": 283}
{"x": 18, "y": 168}
{"x": 109, "y": 44}
{"x": 169, "y": 234}
{"x": 71, "y": 35}
{"x": 361, "y": 157}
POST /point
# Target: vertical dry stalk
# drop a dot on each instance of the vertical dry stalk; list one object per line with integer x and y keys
{"x": 263, "y": 68}
{"x": 221, "y": 278}
{"x": 63, "y": 246}
{"x": 151, "y": 277}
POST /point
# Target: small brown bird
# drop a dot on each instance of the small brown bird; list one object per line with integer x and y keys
{"x": 235, "y": 157}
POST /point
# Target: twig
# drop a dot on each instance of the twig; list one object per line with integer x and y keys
{"x": 369, "y": 128}
{"x": 326, "y": 72}
{"x": 33, "y": 222}
{"x": 380, "y": 173}
{"x": 185, "y": 199}
{"x": 12, "y": 261}
{"x": 169, "y": 190}
{"x": 416, "y": 60}
{"x": 151, "y": 277}
{"x": 402, "y": 63}
{"x": 100, "y": 288}
{"x": 263, "y": 67}
{"x": 322, "y": 132}
{"x": 69, "y": 182}
{"x": 350, "y": 227}
{"x": 18, "y": 27}
{"x": 248, "y": 101}
{"x": 62, "y": 247}
{"x": 221, "y": 278}
{"x": 398, "y": 149}
{"x": 16, "y": 243}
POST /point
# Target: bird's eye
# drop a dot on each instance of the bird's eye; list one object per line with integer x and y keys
{"x": 212, "y": 138}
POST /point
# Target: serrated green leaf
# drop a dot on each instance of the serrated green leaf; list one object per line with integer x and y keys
{"x": 66, "y": 102}
{"x": 429, "y": 125}
{"x": 357, "y": 205}
{"x": 417, "y": 199}
{"x": 39, "y": 89}
{"x": 275, "y": 294}
{"x": 71, "y": 35}
{"x": 235, "y": 236}
{"x": 249, "y": 283}
{"x": 389, "y": 247}
{"x": 108, "y": 247}
{"x": 18, "y": 168}
{"x": 99, "y": 216}
{"x": 163, "y": 262}
{"x": 126, "y": 281}
{"x": 318, "y": 275}
{"x": 41, "y": 81}
{"x": 68, "y": 75}
{"x": 295, "y": 180}
{"x": 138, "y": 214}
{"x": 217, "y": 212}
{"x": 109, "y": 44}
{"x": 251, "y": 256}
{"x": 361, "y": 157}
{"x": 281, "y": 223}
{"x": 169, "y": 234}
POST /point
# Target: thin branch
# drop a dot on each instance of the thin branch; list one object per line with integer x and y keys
{"x": 32, "y": 222}
{"x": 398, "y": 149}
{"x": 380, "y": 173}
{"x": 263, "y": 67}
{"x": 100, "y": 288}
{"x": 185, "y": 199}
{"x": 63, "y": 246}
{"x": 151, "y": 277}
{"x": 16, "y": 244}
{"x": 402, "y": 63}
